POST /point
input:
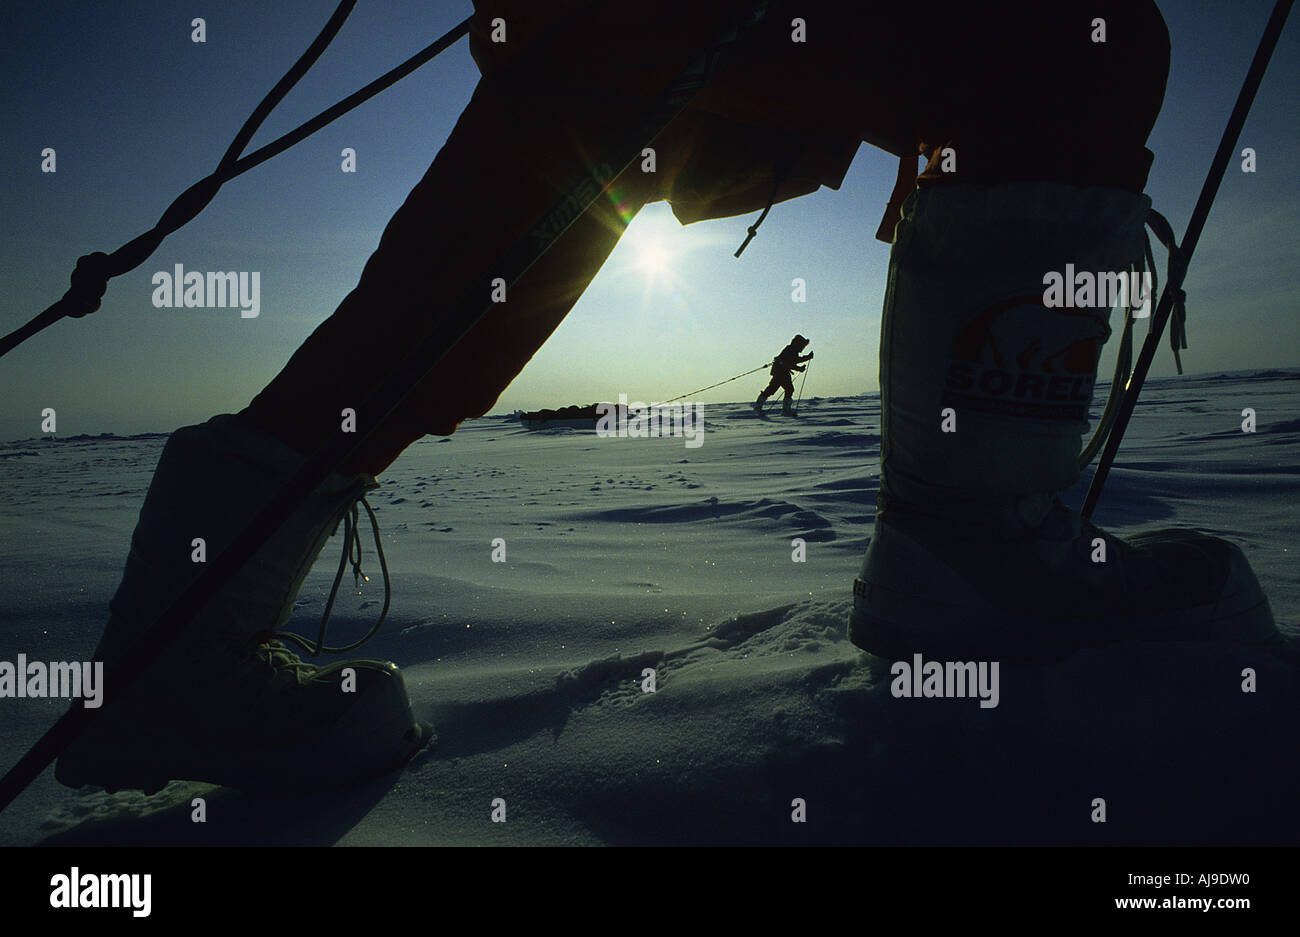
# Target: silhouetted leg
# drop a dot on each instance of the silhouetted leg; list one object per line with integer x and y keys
{"x": 486, "y": 185}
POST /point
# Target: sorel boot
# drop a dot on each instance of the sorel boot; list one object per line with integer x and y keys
{"x": 225, "y": 702}
{"x": 986, "y": 379}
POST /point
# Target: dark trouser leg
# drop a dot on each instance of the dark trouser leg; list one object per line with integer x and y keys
{"x": 788, "y": 387}
{"x": 1038, "y": 99}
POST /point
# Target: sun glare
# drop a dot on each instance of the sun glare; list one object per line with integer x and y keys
{"x": 656, "y": 250}
{"x": 654, "y": 259}
{"x": 654, "y": 243}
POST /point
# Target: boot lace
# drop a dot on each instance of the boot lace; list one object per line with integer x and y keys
{"x": 279, "y": 654}
{"x": 274, "y": 654}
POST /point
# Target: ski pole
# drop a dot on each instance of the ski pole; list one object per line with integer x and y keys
{"x": 801, "y": 383}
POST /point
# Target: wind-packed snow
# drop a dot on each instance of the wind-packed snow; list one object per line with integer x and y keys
{"x": 628, "y": 554}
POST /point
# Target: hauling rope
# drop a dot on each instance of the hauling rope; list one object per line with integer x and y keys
{"x": 580, "y": 415}
{"x": 720, "y": 383}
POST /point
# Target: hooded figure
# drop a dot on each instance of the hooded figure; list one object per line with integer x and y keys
{"x": 788, "y": 360}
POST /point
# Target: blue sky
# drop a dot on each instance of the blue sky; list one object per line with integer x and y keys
{"x": 137, "y": 112}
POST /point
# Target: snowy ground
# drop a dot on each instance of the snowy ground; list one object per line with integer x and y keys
{"x": 624, "y": 554}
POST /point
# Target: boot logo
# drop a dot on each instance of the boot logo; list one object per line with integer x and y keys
{"x": 1020, "y": 358}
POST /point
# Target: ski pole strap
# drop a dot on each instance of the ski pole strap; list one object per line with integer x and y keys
{"x": 1176, "y": 268}
{"x": 1124, "y": 360}
{"x": 90, "y": 279}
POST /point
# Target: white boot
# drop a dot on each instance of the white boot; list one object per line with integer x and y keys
{"x": 984, "y": 401}
{"x": 225, "y": 702}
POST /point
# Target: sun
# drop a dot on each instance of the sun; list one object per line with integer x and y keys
{"x": 653, "y": 246}
{"x": 657, "y": 252}
{"x": 654, "y": 259}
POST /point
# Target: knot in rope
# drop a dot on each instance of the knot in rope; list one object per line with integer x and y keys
{"x": 89, "y": 281}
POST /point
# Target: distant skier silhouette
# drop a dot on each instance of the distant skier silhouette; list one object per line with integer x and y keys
{"x": 784, "y": 363}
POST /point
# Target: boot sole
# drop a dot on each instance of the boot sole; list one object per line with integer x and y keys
{"x": 896, "y": 625}
{"x": 136, "y": 755}
{"x": 908, "y": 601}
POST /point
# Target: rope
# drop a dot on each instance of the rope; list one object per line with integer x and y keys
{"x": 720, "y": 383}
{"x": 1173, "y": 299}
{"x": 752, "y": 230}
{"x": 90, "y": 278}
{"x": 780, "y": 169}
